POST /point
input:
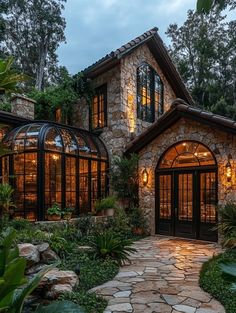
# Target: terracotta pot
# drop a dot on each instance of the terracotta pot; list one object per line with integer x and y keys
{"x": 110, "y": 212}
{"x": 54, "y": 217}
{"x": 138, "y": 231}
{"x": 67, "y": 216}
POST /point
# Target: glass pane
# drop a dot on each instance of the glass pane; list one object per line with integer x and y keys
{"x": 165, "y": 195}
{"x": 185, "y": 197}
{"x": 186, "y": 154}
{"x": 32, "y": 136}
{"x": 83, "y": 186}
{"x": 84, "y": 148}
{"x": 53, "y": 140}
{"x": 70, "y": 182}
{"x": 70, "y": 144}
{"x": 103, "y": 180}
{"x": 208, "y": 197}
{"x": 5, "y": 169}
{"x": 94, "y": 183}
{"x": 52, "y": 179}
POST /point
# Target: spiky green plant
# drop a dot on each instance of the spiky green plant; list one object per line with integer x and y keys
{"x": 108, "y": 245}
{"x": 6, "y": 198}
{"x": 227, "y": 224}
{"x": 9, "y": 78}
{"x": 229, "y": 273}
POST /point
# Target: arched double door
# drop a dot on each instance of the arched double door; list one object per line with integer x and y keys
{"x": 186, "y": 192}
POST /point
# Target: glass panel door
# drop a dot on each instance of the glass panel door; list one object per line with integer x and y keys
{"x": 208, "y": 197}
{"x": 185, "y": 197}
{"x": 184, "y": 205}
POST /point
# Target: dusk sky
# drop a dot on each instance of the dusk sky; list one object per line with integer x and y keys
{"x": 96, "y": 27}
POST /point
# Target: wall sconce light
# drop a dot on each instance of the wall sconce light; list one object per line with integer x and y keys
{"x": 145, "y": 177}
{"x": 228, "y": 171}
{"x": 55, "y": 157}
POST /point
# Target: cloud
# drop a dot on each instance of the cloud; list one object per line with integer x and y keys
{"x": 96, "y": 27}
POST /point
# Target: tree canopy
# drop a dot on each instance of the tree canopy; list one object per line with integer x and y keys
{"x": 204, "y": 50}
{"x": 33, "y": 30}
{"x": 207, "y": 5}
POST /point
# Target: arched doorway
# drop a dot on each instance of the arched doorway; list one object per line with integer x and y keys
{"x": 186, "y": 192}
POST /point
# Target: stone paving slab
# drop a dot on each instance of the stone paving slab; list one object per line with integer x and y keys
{"x": 162, "y": 278}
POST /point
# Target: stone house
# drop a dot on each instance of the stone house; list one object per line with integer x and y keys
{"x": 141, "y": 105}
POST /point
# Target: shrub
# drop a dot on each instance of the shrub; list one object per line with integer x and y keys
{"x": 212, "y": 281}
{"x": 138, "y": 220}
{"x": 6, "y": 202}
{"x": 105, "y": 203}
{"x": 227, "y": 224}
{"x": 124, "y": 178}
{"x": 119, "y": 224}
{"x": 107, "y": 245}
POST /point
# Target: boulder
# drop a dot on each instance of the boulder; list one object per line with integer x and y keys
{"x": 55, "y": 277}
{"x": 57, "y": 290}
{"x": 30, "y": 253}
{"x": 49, "y": 256}
{"x": 42, "y": 247}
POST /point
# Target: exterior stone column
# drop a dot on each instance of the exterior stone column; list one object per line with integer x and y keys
{"x": 23, "y": 106}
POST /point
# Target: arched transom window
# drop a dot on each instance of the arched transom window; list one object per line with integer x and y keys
{"x": 149, "y": 93}
{"x": 186, "y": 154}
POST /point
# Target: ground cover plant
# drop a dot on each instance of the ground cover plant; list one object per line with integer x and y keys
{"x": 75, "y": 244}
{"x": 212, "y": 280}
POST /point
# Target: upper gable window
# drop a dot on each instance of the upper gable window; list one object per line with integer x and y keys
{"x": 149, "y": 93}
{"x": 99, "y": 108}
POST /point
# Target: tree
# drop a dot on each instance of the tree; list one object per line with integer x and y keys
{"x": 204, "y": 49}
{"x": 34, "y": 29}
{"x": 207, "y": 5}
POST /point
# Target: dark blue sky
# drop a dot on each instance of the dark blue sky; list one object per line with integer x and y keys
{"x": 96, "y": 27}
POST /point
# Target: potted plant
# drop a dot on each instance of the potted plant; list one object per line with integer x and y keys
{"x": 138, "y": 221}
{"x": 106, "y": 206}
{"x": 67, "y": 213}
{"x": 54, "y": 213}
{"x": 6, "y": 202}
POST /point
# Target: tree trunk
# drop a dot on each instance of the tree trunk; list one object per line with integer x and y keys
{"x": 40, "y": 69}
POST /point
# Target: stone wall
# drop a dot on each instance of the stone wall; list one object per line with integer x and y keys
{"x": 220, "y": 143}
{"x": 122, "y": 122}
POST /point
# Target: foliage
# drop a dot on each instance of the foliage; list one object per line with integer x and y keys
{"x": 68, "y": 210}
{"x": 12, "y": 269}
{"x": 60, "y": 307}
{"x": 212, "y": 281}
{"x": 34, "y": 30}
{"x": 90, "y": 301}
{"x": 105, "y": 203}
{"x": 119, "y": 224}
{"x": 204, "y": 50}
{"x": 9, "y": 78}
{"x": 5, "y": 106}
{"x": 208, "y": 5}
{"x": 108, "y": 245}
{"x": 124, "y": 178}
{"x": 137, "y": 219}
{"x": 54, "y": 210}
{"x": 61, "y": 96}
{"x": 229, "y": 273}
{"x": 6, "y": 202}
{"x": 227, "y": 224}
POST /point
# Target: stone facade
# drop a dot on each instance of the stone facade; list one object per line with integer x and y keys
{"x": 220, "y": 143}
{"x": 22, "y": 106}
{"x": 122, "y": 122}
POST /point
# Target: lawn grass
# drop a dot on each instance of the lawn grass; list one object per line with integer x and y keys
{"x": 211, "y": 281}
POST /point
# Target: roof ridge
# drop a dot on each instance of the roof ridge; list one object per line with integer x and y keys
{"x": 126, "y": 47}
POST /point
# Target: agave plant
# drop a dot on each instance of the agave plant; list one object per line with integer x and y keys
{"x": 106, "y": 244}
{"x": 229, "y": 273}
{"x": 6, "y": 194}
{"x": 9, "y": 78}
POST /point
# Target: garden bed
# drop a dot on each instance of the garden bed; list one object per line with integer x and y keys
{"x": 211, "y": 280}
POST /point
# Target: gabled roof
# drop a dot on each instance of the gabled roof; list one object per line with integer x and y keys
{"x": 160, "y": 53}
{"x": 179, "y": 109}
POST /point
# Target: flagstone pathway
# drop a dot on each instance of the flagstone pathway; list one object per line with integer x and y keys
{"x": 162, "y": 278}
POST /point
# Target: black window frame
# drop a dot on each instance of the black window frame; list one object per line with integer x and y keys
{"x": 99, "y": 92}
{"x": 144, "y": 112}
